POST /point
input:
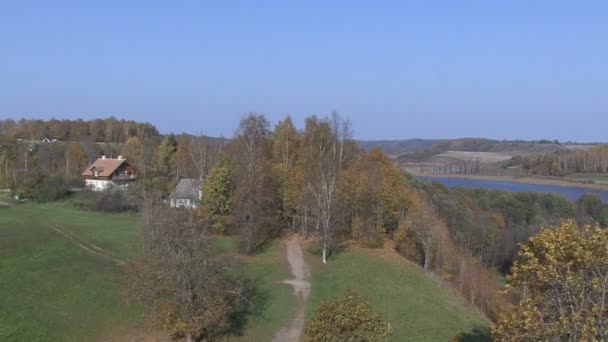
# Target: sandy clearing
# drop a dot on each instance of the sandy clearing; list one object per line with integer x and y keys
{"x": 301, "y": 289}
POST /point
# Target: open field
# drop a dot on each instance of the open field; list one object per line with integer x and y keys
{"x": 51, "y": 288}
{"x": 483, "y": 157}
{"x": 54, "y": 289}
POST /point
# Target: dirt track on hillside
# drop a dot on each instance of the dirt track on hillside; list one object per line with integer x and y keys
{"x": 87, "y": 246}
{"x": 301, "y": 289}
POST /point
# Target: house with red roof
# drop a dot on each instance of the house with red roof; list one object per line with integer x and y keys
{"x": 105, "y": 173}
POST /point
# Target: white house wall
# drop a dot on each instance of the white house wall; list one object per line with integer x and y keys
{"x": 98, "y": 184}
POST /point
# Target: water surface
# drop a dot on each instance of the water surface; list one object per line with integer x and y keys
{"x": 571, "y": 192}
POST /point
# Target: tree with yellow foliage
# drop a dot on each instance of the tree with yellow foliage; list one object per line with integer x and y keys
{"x": 562, "y": 278}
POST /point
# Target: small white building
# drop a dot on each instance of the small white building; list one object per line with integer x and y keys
{"x": 187, "y": 194}
{"x": 109, "y": 172}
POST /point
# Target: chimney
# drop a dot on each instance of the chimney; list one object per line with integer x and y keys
{"x": 120, "y": 157}
{"x": 103, "y": 157}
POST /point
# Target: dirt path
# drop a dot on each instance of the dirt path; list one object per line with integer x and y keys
{"x": 301, "y": 289}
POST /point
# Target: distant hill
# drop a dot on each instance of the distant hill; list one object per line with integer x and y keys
{"x": 437, "y": 146}
{"x": 471, "y": 155}
{"x": 395, "y": 147}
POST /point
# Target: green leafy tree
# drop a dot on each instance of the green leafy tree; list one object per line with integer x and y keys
{"x": 346, "y": 318}
{"x": 218, "y": 188}
{"x": 161, "y": 161}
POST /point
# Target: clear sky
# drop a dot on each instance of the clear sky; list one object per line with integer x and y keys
{"x": 403, "y": 69}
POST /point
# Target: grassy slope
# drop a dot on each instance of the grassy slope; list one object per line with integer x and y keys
{"x": 58, "y": 291}
{"x": 53, "y": 290}
{"x": 420, "y": 309}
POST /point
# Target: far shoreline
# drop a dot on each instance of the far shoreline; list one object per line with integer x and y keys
{"x": 525, "y": 180}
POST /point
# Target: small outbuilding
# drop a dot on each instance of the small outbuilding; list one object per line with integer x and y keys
{"x": 187, "y": 193}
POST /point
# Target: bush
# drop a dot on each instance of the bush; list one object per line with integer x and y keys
{"x": 346, "y": 318}
{"x": 43, "y": 188}
{"x": 109, "y": 201}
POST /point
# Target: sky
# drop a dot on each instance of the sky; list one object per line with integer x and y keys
{"x": 403, "y": 69}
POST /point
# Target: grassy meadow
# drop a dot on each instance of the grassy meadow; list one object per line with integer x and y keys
{"x": 418, "y": 307}
{"x": 53, "y": 289}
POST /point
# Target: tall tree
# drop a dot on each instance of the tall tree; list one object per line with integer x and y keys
{"x": 75, "y": 158}
{"x": 218, "y": 189}
{"x": 132, "y": 150}
{"x": 181, "y": 158}
{"x": 161, "y": 162}
{"x": 326, "y": 155}
{"x": 178, "y": 278}
{"x": 253, "y": 191}
{"x": 286, "y": 142}
{"x": 423, "y": 221}
{"x": 200, "y": 155}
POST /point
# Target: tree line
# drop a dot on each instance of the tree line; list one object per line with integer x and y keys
{"x": 110, "y": 130}
{"x": 593, "y": 160}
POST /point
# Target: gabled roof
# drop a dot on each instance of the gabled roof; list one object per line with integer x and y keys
{"x": 105, "y": 167}
{"x": 187, "y": 188}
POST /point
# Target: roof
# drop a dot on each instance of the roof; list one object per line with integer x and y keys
{"x": 187, "y": 188}
{"x": 105, "y": 166}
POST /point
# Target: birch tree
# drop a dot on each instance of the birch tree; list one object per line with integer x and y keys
{"x": 199, "y": 154}
{"x": 326, "y": 157}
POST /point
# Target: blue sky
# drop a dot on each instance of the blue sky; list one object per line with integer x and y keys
{"x": 429, "y": 69}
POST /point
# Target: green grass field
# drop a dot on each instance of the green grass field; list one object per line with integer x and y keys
{"x": 52, "y": 289}
{"x": 275, "y": 302}
{"x": 417, "y": 307}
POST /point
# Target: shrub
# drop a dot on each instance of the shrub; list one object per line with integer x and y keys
{"x": 109, "y": 201}
{"x": 346, "y": 318}
{"x": 43, "y": 188}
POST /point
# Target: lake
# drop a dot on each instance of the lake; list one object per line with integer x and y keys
{"x": 571, "y": 192}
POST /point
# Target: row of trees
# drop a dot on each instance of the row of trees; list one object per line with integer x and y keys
{"x": 593, "y": 160}
{"x": 110, "y": 130}
{"x": 317, "y": 181}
